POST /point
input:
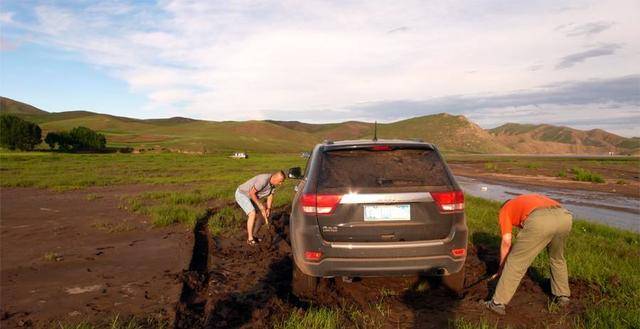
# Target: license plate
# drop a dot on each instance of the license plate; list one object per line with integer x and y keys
{"x": 387, "y": 213}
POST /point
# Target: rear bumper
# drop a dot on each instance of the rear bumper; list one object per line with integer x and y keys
{"x": 380, "y": 258}
{"x": 362, "y": 267}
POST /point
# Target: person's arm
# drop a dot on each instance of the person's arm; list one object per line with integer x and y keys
{"x": 254, "y": 196}
{"x": 505, "y": 247}
{"x": 269, "y": 203}
{"x": 505, "y": 244}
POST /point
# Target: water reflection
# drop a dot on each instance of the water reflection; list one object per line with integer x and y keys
{"x": 607, "y": 208}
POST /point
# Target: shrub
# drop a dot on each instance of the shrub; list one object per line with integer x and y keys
{"x": 16, "y": 133}
{"x": 584, "y": 175}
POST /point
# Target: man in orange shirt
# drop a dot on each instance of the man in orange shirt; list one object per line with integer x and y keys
{"x": 543, "y": 223}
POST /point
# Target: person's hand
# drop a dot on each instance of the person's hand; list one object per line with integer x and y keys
{"x": 265, "y": 213}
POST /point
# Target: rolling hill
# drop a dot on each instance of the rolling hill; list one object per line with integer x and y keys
{"x": 544, "y": 138}
{"x": 452, "y": 133}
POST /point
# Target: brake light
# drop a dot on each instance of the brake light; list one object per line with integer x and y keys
{"x": 452, "y": 201}
{"x": 312, "y": 255}
{"x": 320, "y": 204}
{"x": 458, "y": 252}
{"x": 381, "y": 148}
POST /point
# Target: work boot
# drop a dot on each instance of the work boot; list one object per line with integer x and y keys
{"x": 497, "y": 308}
{"x": 562, "y": 301}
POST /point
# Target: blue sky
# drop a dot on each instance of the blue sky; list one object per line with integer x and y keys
{"x": 572, "y": 63}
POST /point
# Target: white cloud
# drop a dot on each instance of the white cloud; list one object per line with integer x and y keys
{"x": 6, "y": 17}
{"x": 245, "y": 59}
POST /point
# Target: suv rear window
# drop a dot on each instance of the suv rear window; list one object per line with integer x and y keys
{"x": 366, "y": 168}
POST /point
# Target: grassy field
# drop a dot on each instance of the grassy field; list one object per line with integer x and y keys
{"x": 186, "y": 185}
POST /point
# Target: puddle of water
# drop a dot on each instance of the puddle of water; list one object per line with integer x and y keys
{"x": 606, "y": 208}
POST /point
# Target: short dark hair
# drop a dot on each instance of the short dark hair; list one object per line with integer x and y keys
{"x": 280, "y": 172}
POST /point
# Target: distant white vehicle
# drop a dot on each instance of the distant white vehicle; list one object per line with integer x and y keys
{"x": 240, "y": 155}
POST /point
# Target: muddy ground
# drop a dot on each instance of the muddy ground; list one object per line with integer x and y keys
{"x": 73, "y": 256}
{"x": 234, "y": 285}
{"x": 622, "y": 180}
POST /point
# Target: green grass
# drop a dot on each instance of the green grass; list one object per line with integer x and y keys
{"x": 584, "y": 175}
{"x": 464, "y": 324}
{"x": 491, "y": 166}
{"x": 61, "y": 171}
{"x": 533, "y": 165}
{"x": 115, "y": 322}
{"x": 313, "y": 318}
{"x": 228, "y": 219}
{"x": 52, "y": 256}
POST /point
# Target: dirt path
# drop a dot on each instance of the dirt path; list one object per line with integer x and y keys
{"x": 249, "y": 287}
{"x": 75, "y": 256}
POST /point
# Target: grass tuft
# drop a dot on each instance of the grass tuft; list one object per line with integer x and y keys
{"x": 491, "y": 166}
{"x": 165, "y": 215}
{"x": 312, "y": 318}
{"x": 227, "y": 219}
{"x": 52, "y": 256}
{"x": 584, "y": 175}
{"x": 464, "y": 324}
{"x": 115, "y": 322}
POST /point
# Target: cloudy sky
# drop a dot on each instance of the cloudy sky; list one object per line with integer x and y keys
{"x": 574, "y": 63}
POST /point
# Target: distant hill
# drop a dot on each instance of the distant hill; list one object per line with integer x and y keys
{"x": 452, "y": 133}
{"x": 544, "y": 138}
{"x": 8, "y": 105}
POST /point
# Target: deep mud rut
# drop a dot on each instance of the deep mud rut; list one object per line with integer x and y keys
{"x": 230, "y": 285}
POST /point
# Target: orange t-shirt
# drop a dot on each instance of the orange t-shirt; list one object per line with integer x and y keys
{"x": 516, "y": 210}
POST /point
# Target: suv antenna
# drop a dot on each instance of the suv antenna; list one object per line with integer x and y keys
{"x": 375, "y": 131}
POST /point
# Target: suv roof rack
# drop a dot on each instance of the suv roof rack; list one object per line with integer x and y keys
{"x": 328, "y": 141}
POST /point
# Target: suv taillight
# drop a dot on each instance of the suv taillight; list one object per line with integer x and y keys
{"x": 320, "y": 204}
{"x": 449, "y": 201}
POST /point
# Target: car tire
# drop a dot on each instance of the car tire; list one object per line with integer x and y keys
{"x": 303, "y": 286}
{"x": 455, "y": 283}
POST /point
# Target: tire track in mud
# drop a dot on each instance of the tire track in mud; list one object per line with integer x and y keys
{"x": 218, "y": 288}
{"x": 190, "y": 308}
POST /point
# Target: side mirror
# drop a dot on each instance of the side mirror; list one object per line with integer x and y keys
{"x": 295, "y": 173}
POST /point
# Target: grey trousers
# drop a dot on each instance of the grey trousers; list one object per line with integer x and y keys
{"x": 546, "y": 227}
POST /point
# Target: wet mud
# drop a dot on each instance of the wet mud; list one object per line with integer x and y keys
{"x": 245, "y": 286}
